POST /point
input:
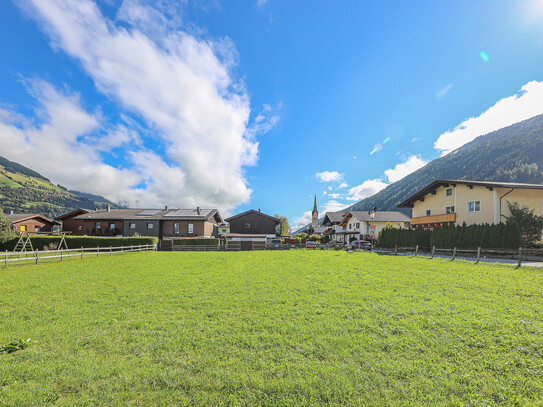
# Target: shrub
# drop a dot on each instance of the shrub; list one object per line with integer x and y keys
{"x": 196, "y": 242}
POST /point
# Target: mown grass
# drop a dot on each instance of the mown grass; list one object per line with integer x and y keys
{"x": 271, "y": 328}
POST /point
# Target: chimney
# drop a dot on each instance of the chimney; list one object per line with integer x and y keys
{"x": 108, "y": 208}
{"x": 198, "y": 210}
{"x": 166, "y": 208}
{"x": 258, "y": 209}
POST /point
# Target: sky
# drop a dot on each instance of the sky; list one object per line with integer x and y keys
{"x": 258, "y": 104}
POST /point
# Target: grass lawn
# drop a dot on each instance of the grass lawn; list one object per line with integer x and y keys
{"x": 271, "y": 328}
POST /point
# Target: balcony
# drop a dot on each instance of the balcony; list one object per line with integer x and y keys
{"x": 433, "y": 219}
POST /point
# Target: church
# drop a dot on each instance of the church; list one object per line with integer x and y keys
{"x": 315, "y": 228}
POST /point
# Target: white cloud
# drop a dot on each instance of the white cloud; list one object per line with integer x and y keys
{"x": 507, "y": 111}
{"x": 343, "y": 185}
{"x": 441, "y": 93}
{"x": 302, "y": 220}
{"x": 63, "y": 148}
{"x": 181, "y": 86}
{"x": 261, "y": 3}
{"x": 333, "y": 206}
{"x": 366, "y": 189}
{"x": 401, "y": 170}
{"x": 334, "y": 196}
{"x": 329, "y": 176}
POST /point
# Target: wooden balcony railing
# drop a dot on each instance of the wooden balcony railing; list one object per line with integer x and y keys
{"x": 433, "y": 219}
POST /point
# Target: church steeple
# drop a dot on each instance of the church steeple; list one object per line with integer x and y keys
{"x": 315, "y": 214}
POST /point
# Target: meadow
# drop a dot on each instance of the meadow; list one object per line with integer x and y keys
{"x": 271, "y": 328}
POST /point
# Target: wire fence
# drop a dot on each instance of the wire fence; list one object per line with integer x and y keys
{"x": 479, "y": 254}
{"x": 61, "y": 254}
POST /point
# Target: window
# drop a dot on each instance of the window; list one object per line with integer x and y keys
{"x": 449, "y": 209}
{"x": 428, "y": 212}
{"x": 350, "y": 225}
{"x": 150, "y": 226}
{"x": 448, "y": 192}
{"x": 80, "y": 227}
{"x": 132, "y": 226}
{"x": 23, "y": 228}
{"x": 357, "y": 224}
{"x": 176, "y": 228}
{"x": 191, "y": 227}
{"x": 473, "y": 206}
{"x": 97, "y": 225}
{"x": 112, "y": 226}
{"x": 38, "y": 229}
{"x": 247, "y": 226}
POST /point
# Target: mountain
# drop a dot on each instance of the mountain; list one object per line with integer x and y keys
{"x": 23, "y": 190}
{"x": 512, "y": 154}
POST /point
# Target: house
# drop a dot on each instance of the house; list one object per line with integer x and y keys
{"x": 162, "y": 223}
{"x": 223, "y": 229}
{"x": 474, "y": 202}
{"x": 254, "y": 223}
{"x": 32, "y": 223}
{"x": 367, "y": 225}
{"x": 68, "y": 222}
{"x": 331, "y": 223}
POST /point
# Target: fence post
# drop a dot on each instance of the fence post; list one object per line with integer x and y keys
{"x": 478, "y": 255}
{"x": 396, "y": 249}
{"x": 519, "y": 256}
{"x": 6, "y": 258}
{"x": 81, "y": 251}
{"x": 98, "y": 251}
{"x": 416, "y": 250}
{"x": 61, "y": 253}
{"x": 433, "y": 251}
{"x": 37, "y": 256}
{"x": 110, "y": 250}
{"x": 454, "y": 254}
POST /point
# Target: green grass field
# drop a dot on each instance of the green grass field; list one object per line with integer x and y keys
{"x": 271, "y": 328}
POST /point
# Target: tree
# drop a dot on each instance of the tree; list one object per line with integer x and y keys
{"x": 530, "y": 225}
{"x": 285, "y": 226}
{"x": 7, "y": 231}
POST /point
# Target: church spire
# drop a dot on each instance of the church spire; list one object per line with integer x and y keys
{"x": 315, "y": 214}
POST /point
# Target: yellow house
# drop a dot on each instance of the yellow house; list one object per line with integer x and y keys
{"x": 473, "y": 202}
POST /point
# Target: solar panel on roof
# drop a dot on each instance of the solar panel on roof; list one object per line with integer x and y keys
{"x": 149, "y": 212}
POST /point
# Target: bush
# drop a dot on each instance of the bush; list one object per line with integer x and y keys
{"x": 76, "y": 242}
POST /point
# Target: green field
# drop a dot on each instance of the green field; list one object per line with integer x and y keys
{"x": 271, "y": 328}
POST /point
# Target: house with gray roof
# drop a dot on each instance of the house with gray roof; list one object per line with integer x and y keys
{"x": 362, "y": 225}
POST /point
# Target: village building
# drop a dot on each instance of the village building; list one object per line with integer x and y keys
{"x": 254, "y": 222}
{"x": 31, "y": 223}
{"x": 474, "y": 202}
{"x": 331, "y": 224}
{"x": 366, "y": 225}
{"x": 162, "y": 223}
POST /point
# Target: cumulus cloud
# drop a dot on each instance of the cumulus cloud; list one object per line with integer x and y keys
{"x": 510, "y": 110}
{"x": 180, "y": 85}
{"x": 401, "y": 170}
{"x": 343, "y": 185}
{"x": 333, "y": 206}
{"x": 302, "y": 220}
{"x": 329, "y": 176}
{"x": 366, "y": 189}
{"x": 64, "y": 146}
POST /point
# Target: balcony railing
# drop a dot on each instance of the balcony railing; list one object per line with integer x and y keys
{"x": 433, "y": 219}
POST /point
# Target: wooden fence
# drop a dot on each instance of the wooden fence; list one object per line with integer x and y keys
{"x": 37, "y": 256}
{"x": 519, "y": 255}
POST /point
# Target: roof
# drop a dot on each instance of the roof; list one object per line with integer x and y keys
{"x": 251, "y": 211}
{"x": 408, "y": 203}
{"x": 72, "y": 213}
{"x": 242, "y": 235}
{"x": 319, "y": 229}
{"x": 19, "y": 217}
{"x": 151, "y": 214}
{"x": 334, "y": 217}
{"x": 365, "y": 216}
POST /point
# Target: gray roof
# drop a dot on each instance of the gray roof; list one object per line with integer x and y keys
{"x": 381, "y": 216}
{"x": 255, "y": 212}
{"x": 21, "y": 216}
{"x": 150, "y": 214}
{"x": 335, "y": 217}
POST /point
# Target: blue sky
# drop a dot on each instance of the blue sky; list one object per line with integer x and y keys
{"x": 258, "y": 104}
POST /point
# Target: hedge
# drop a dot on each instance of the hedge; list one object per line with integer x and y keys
{"x": 76, "y": 242}
{"x": 500, "y": 236}
{"x": 195, "y": 242}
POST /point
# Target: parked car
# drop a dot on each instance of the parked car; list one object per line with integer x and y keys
{"x": 311, "y": 245}
{"x": 362, "y": 244}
